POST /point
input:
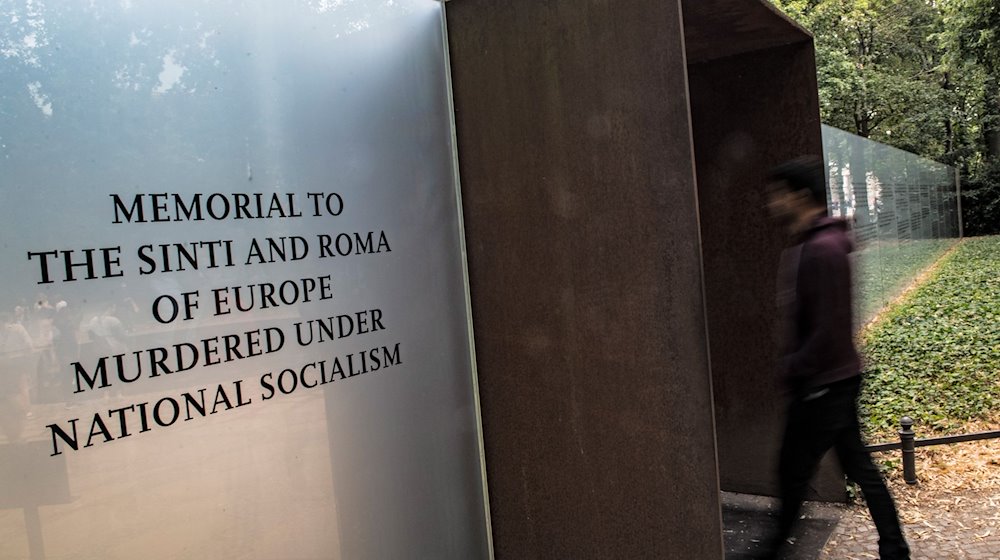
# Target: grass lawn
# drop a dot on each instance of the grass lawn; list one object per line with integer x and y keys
{"x": 935, "y": 355}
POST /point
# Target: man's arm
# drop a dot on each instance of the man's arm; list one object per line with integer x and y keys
{"x": 824, "y": 316}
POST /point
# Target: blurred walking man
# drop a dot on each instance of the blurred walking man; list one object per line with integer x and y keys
{"x": 820, "y": 367}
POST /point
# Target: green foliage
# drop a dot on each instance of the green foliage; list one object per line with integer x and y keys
{"x": 936, "y": 356}
{"x": 971, "y": 43}
{"x": 879, "y": 76}
{"x": 921, "y": 75}
{"x": 981, "y": 202}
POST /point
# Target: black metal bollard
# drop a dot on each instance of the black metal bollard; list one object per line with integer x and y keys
{"x": 906, "y": 439}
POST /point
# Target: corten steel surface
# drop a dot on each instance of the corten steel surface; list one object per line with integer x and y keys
{"x": 716, "y": 29}
{"x": 749, "y": 113}
{"x": 581, "y": 224}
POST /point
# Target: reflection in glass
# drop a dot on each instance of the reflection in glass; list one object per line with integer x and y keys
{"x": 903, "y": 207}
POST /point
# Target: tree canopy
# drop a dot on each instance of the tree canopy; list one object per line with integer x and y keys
{"x": 920, "y": 75}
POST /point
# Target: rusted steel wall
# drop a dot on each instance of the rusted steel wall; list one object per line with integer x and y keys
{"x": 585, "y": 272}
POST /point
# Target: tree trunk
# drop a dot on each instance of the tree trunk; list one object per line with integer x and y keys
{"x": 949, "y": 129}
{"x": 992, "y": 128}
{"x": 993, "y": 144}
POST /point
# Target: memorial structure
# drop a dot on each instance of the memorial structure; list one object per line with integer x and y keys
{"x": 404, "y": 279}
{"x": 612, "y": 162}
{"x": 236, "y": 321}
{"x": 753, "y": 104}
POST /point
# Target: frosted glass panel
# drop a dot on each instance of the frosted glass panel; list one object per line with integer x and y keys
{"x": 233, "y": 302}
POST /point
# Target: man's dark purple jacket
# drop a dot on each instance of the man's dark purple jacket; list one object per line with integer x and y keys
{"x": 816, "y": 292}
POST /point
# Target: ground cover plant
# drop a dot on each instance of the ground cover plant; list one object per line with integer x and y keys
{"x": 935, "y": 354}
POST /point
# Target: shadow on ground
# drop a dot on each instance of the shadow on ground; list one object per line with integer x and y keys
{"x": 747, "y": 521}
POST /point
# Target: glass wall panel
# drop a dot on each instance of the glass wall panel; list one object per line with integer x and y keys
{"x": 234, "y": 308}
{"x": 903, "y": 208}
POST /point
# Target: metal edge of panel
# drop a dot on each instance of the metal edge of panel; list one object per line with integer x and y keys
{"x": 465, "y": 278}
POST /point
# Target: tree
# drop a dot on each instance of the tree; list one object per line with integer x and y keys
{"x": 973, "y": 40}
{"x": 878, "y": 75}
{"x": 920, "y": 75}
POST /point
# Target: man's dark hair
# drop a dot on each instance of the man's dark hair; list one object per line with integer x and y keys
{"x": 805, "y": 173}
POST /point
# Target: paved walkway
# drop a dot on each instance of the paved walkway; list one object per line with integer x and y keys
{"x": 960, "y": 525}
